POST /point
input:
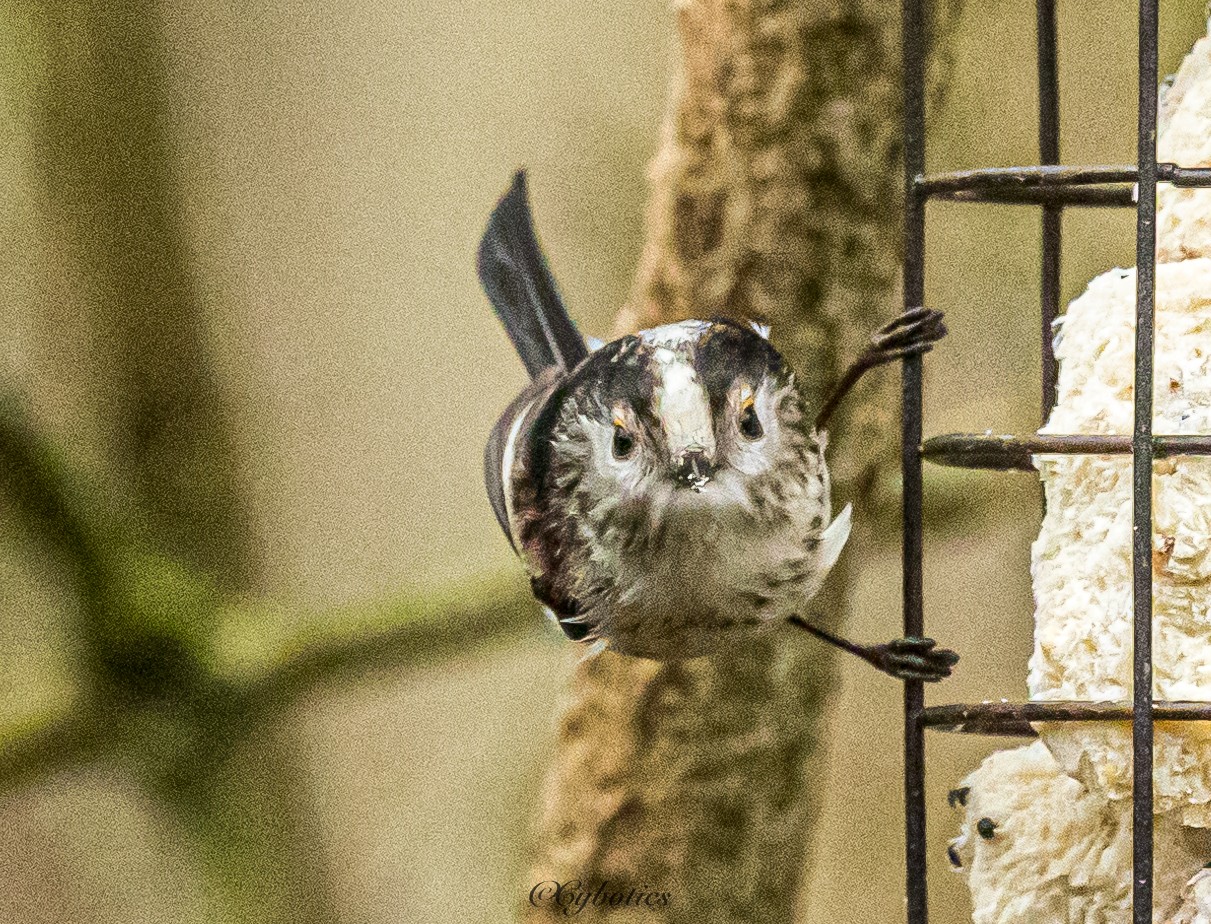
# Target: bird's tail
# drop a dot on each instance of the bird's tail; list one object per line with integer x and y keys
{"x": 514, "y": 274}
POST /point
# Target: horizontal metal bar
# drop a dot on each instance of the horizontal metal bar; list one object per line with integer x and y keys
{"x": 1015, "y": 453}
{"x": 1185, "y": 177}
{"x": 1014, "y": 177}
{"x": 1111, "y": 196}
{"x": 1121, "y": 196}
{"x": 1049, "y": 184}
{"x": 1187, "y": 444}
{"x": 1014, "y": 719}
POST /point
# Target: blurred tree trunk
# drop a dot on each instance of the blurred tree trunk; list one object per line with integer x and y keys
{"x": 125, "y": 284}
{"x": 125, "y": 372}
{"x": 775, "y": 195}
{"x": 126, "y": 343}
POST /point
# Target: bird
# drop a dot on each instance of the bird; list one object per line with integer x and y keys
{"x": 668, "y": 491}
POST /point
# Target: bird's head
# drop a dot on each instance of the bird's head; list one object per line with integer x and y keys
{"x": 685, "y": 415}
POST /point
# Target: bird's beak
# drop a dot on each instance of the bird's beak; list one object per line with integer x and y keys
{"x": 693, "y": 468}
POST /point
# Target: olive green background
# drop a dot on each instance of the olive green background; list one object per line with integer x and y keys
{"x": 327, "y": 170}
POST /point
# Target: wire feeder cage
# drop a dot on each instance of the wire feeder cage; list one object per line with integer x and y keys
{"x": 1053, "y": 188}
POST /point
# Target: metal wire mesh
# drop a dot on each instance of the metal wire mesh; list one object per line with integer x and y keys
{"x": 1054, "y": 188}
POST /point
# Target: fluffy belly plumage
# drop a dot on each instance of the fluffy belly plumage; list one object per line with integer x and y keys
{"x": 713, "y": 585}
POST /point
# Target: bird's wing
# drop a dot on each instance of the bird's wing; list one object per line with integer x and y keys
{"x": 834, "y": 539}
{"x": 506, "y": 443}
{"x": 511, "y": 440}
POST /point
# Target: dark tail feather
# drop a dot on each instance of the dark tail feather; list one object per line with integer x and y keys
{"x": 514, "y": 273}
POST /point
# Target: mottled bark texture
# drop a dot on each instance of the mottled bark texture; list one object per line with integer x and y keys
{"x": 776, "y": 194}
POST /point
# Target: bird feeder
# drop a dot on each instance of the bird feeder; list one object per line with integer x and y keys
{"x": 1079, "y": 444}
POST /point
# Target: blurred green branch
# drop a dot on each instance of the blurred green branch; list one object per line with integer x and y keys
{"x": 35, "y": 484}
{"x": 270, "y": 656}
{"x": 48, "y": 744}
{"x": 265, "y": 658}
{"x": 242, "y": 658}
{"x": 181, "y": 683}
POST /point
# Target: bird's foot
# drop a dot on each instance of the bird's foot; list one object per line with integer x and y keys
{"x": 913, "y": 659}
{"x": 911, "y": 334}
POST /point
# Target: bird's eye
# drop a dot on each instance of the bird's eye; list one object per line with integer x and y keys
{"x": 750, "y": 424}
{"x": 624, "y": 443}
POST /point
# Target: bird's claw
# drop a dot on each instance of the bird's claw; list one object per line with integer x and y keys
{"x": 911, "y": 333}
{"x": 916, "y": 659}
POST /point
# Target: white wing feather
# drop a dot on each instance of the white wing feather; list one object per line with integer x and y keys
{"x": 834, "y": 539}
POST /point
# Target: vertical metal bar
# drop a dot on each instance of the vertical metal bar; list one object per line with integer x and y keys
{"x": 1049, "y": 153}
{"x": 913, "y": 51}
{"x": 1141, "y": 552}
